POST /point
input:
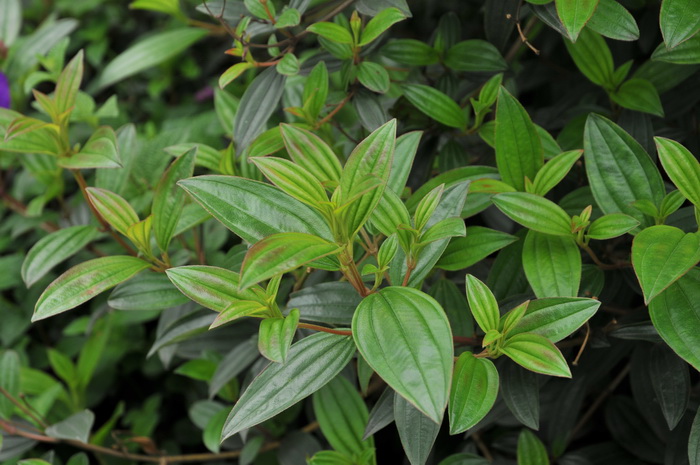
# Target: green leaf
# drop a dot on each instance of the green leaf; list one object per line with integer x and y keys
{"x": 76, "y": 427}
{"x": 417, "y": 365}
{"x": 233, "y": 364}
{"x": 680, "y": 20}
{"x": 426, "y": 207}
{"x": 281, "y": 253}
{"x": 292, "y": 179}
{"x": 233, "y": 73}
{"x": 475, "y": 56}
{"x": 152, "y": 291}
{"x": 373, "y": 76}
{"x": 311, "y": 363}
{"x": 554, "y": 171}
{"x": 519, "y": 151}
{"x": 593, "y": 58}
{"x": 640, "y": 95}
{"x": 612, "y": 20}
{"x": 254, "y": 210}
{"x": 662, "y": 254}
{"x": 371, "y": 158}
{"x": 68, "y": 84}
{"x": 84, "y": 281}
{"x": 11, "y": 23}
{"x": 556, "y": 318}
{"x": 113, "y": 208}
{"x": 239, "y": 309}
{"x": 316, "y": 90}
{"x": 258, "y": 103}
{"x": 9, "y": 381}
{"x": 671, "y": 382}
{"x": 288, "y": 65}
{"x": 681, "y": 166}
{"x": 676, "y": 313}
{"x": 331, "y": 31}
{"x": 290, "y": 17}
{"x": 169, "y": 199}
{"x": 380, "y": 23}
{"x": 694, "y": 441}
{"x": 390, "y": 214}
{"x": 474, "y": 391}
{"x": 534, "y": 212}
{"x": 342, "y": 415}
{"x": 51, "y": 250}
{"x": 531, "y": 451}
{"x": 445, "y": 229}
{"x": 482, "y": 304}
{"x": 332, "y": 303}
{"x": 100, "y": 151}
{"x": 147, "y": 53}
{"x": 520, "y": 389}
{"x": 552, "y": 264}
{"x": 478, "y": 243}
{"x": 311, "y": 153}
{"x": 620, "y": 172}
{"x": 687, "y": 53}
{"x": 170, "y": 7}
{"x": 410, "y": 52}
{"x": 610, "y": 226}
{"x": 574, "y": 14}
{"x": 435, "y": 104}
{"x": 211, "y": 287}
{"x": 275, "y": 336}
{"x": 416, "y": 431}
{"x": 536, "y": 353}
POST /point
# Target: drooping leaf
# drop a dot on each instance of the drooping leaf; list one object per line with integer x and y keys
{"x": 593, "y": 58}
{"x": 237, "y": 360}
{"x": 275, "y": 336}
{"x": 417, "y": 365}
{"x": 552, "y": 265}
{"x": 520, "y": 390}
{"x": 536, "y": 353}
{"x": 556, "y": 318}
{"x": 416, "y": 431}
{"x": 84, "y": 281}
{"x": 662, "y": 254}
{"x": 474, "y": 391}
{"x": 671, "y": 382}
{"x": 311, "y": 363}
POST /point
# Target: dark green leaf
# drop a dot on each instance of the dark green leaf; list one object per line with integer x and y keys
{"x": 417, "y": 431}
{"x": 373, "y": 76}
{"x": 552, "y": 265}
{"x": 152, "y": 291}
{"x": 475, "y": 56}
{"x": 640, "y": 95}
{"x": 520, "y": 389}
{"x": 257, "y": 104}
{"x": 478, "y": 243}
{"x": 531, "y": 451}
{"x": 474, "y": 391}
{"x": 593, "y": 58}
{"x": 671, "y": 381}
{"x": 435, "y": 104}
{"x": 534, "y": 212}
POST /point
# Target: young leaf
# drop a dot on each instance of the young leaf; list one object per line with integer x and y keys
{"x": 292, "y": 179}
{"x": 311, "y": 363}
{"x": 342, "y": 415}
{"x": 536, "y": 353}
{"x": 239, "y": 309}
{"x": 552, "y": 265}
{"x": 84, "y": 281}
{"x": 556, "y": 318}
{"x": 233, "y": 73}
{"x": 418, "y": 366}
{"x": 554, "y": 171}
{"x": 534, "y": 212}
{"x": 676, "y": 313}
{"x": 68, "y": 84}
{"x": 169, "y": 199}
{"x": 474, "y": 391}
{"x": 373, "y": 76}
{"x": 610, "y": 226}
{"x": 477, "y": 244}
{"x": 681, "y": 166}
{"x": 662, "y": 254}
{"x": 113, "y": 208}
{"x": 519, "y": 151}
{"x": 482, "y": 304}
{"x": 435, "y": 104}
{"x": 275, "y": 336}
{"x": 281, "y": 253}
{"x": 574, "y": 14}
{"x": 620, "y": 172}
{"x": 100, "y": 151}
{"x": 51, "y": 250}
{"x": 639, "y": 95}
{"x": 211, "y": 287}
{"x": 416, "y": 431}
{"x": 331, "y": 31}
{"x": 531, "y": 451}
{"x": 680, "y": 20}
{"x": 380, "y": 23}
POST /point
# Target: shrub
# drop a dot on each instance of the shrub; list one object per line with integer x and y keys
{"x": 475, "y": 220}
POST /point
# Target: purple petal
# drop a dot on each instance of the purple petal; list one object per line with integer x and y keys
{"x": 4, "y": 91}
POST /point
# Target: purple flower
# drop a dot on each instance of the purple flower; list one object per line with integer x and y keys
{"x": 4, "y": 91}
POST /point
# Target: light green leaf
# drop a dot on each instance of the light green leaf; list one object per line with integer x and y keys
{"x": 478, "y": 243}
{"x": 593, "y": 58}
{"x": 311, "y": 363}
{"x": 519, "y": 152}
{"x": 290, "y": 17}
{"x": 113, "y": 208}
{"x": 610, "y": 226}
{"x": 100, "y": 151}
{"x": 170, "y": 7}
{"x": 620, "y": 172}
{"x": 554, "y": 171}
{"x": 531, "y": 451}
{"x": 474, "y": 391}
{"x": 612, "y": 20}
{"x": 390, "y": 214}
{"x": 281, "y": 253}
{"x": 9, "y": 381}
{"x": 536, "y": 353}
{"x": 662, "y": 254}
{"x": 288, "y": 65}
{"x": 680, "y": 20}
{"x": 293, "y": 179}
{"x": 373, "y": 76}
{"x": 68, "y": 84}
{"x": 169, "y": 199}
{"x": 417, "y": 365}
{"x": 84, "y": 281}
{"x": 233, "y": 73}
{"x": 211, "y": 287}
{"x": 147, "y": 53}
{"x": 331, "y": 31}
{"x": 552, "y": 264}
{"x": 311, "y": 153}
{"x": 380, "y": 23}
{"x": 51, "y": 250}
{"x": 639, "y": 95}
{"x": 574, "y": 14}
{"x": 275, "y": 336}
{"x": 556, "y": 318}
{"x": 435, "y": 104}
{"x": 681, "y": 166}
{"x": 482, "y": 304}
{"x": 534, "y": 212}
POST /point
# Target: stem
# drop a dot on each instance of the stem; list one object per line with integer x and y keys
{"x": 333, "y": 112}
{"x": 340, "y": 332}
{"x": 603, "y": 266}
{"x": 23, "y": 408}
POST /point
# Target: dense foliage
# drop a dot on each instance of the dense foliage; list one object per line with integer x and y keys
{"x": 345, "y": 232}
